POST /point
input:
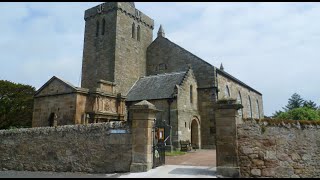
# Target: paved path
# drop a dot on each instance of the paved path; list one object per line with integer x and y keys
{"x": 202, "y": 157}
{"x": 175, "y": 171}
{"x": 194, "y": 164}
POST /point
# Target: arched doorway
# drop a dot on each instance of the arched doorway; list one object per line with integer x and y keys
{"x": 51, "y": 119}
{"x": 195, "y": 133}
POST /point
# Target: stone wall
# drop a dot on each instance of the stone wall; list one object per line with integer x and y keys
{"x": 117, "y": 55}
{"x": 64, "y": 106}
{"x": 98, "y": 50}
{"x": 164, "y": 56}
{"x": 279, "y": 150}
{"x": 163, "y": 106}
{"x": 81, "y": 108}
{"x": 187, "y": 108}
{"x": 206, "y": 100}
{"x": 93, "y": 148}
{"x": 66, "y": 102}
{"x": 130, "y": 52}
{"x": 241, "y": 93}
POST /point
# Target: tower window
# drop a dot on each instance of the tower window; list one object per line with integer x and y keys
{"x": 250, "y": 107}
{"x": 133, "y": 31}
{"x": 239, "y": 99}
{"x": 103, "y": 26}
{"x": 97, "y": 29}
{"x": 138, "y": 33}
{"x": 227, "y": 91}
{"x": 191, "y": 96}
{"x": 162, "y": 66}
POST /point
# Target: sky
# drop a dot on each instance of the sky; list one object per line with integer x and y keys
{"x": 272, "y": 47}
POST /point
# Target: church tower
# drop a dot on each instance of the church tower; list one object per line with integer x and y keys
{"x": 115, "y": 42}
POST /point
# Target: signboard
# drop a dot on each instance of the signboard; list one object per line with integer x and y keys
{"x": 161, "y": 133}
{"x": 118, "y": 131}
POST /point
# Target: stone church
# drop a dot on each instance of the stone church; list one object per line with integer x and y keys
{"x": 123, "y": 65}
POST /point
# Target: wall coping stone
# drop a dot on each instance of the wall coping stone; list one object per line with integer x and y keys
{"x": 228, "y": 104}
{"x": 299, "y": 124}
{"x": 144, "y": 105}
{"x": 78, "y": 127}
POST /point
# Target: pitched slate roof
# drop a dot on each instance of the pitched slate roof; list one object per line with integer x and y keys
{"x": 159, "y": 86}
{"x": 201, "y": 60}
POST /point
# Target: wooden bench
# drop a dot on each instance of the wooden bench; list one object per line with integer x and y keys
{"x": 185, "y": 145}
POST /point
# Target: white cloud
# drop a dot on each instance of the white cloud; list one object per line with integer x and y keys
{"x": 270, "y": 46}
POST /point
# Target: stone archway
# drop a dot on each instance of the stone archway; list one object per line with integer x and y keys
{"x": 195, "y": 133}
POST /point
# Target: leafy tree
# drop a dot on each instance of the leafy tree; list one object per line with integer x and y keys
{"x": 302, "y": 113}
{"x": 294, "y": 102}
{"x": 16, "y": 105}
{"x": 299, "y": 109}
{"x": 277, "y": 113}
{"x": 310, "y": 104}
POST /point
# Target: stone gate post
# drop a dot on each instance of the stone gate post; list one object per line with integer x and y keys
{"x": 226, "y": 113}
{"x": 143, "y": 116}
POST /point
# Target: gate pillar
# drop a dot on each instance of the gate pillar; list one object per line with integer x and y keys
{"x": 143, "y": 116}
{"x": 226, "y": 112}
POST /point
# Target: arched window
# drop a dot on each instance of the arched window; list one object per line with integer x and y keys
{"x": 97, "y": 29}
{"x": 191, "y": 95}
{"x": 103, "y": 26}
{"x": 249, "y": 107}
{"x": 227, "y": 91}
{"x": 138, "y": 33}
{"x": 239, "y": 100}
{"x": 258, "y": 109}
{"x": 133, "y": 30}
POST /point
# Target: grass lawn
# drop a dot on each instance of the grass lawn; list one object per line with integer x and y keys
{"x": 175, "y": 153}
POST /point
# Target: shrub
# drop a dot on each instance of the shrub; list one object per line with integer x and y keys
{"x": 302, "y": 113}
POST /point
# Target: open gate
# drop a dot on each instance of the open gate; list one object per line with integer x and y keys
{"x": 158, "y": 145}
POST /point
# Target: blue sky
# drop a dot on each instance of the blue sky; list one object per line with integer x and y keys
{"x": 272, "y": 47}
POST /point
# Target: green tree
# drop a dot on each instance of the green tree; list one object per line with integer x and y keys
{"x": 302, "y": 113}
{"x": 277, "y": 113}
{"x": 16, "y": 105}
{"x": 310, "y": 104}
{"x": 294, "y": 102}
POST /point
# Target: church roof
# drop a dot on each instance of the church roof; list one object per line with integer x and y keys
{"x": 159, "y": 86}
{"x": 75, "y": 89}
{"x": 222, "y": 72}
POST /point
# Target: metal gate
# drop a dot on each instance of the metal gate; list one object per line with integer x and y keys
{"x": 158, "y": 145}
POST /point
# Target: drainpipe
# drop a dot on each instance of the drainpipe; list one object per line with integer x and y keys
{"x": 169, "y": 109}
{"x": 169, "y": 119}
{"x": 215, "y": 83}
